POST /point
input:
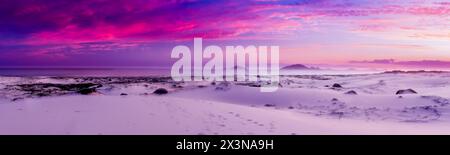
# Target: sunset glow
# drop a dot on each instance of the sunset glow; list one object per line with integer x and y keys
{"x": 143, "y": 32}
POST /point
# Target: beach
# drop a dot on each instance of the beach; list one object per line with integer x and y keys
{"x": 397, "y": 102}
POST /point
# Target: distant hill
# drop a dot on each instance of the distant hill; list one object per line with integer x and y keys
{"x": 299, "y": 67}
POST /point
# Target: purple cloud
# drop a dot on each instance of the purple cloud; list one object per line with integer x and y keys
{"x": 62, "y": 31}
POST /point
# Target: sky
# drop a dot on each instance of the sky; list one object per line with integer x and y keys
{"x": 143, "y": 32}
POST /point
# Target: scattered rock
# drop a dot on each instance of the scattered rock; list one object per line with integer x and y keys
{"x": 250, "y": 84}
{"x": 220, "y": 88}
{"x": 406, "y": 91}
{"x": 336, "y": 85}
{"x": 411, "y": 72}
{"x": 334, "y": 100}
{"x": 420, "y": 114}
{"x": 87, "y": 91}
{"x": 18, "y": 98}
{"x": 338, "y": 114}
{"x": 299, "y": 67}
{"x": 438, "y": 100}
{"x": 49, "y": 89}
{"x": 223, "y": 86}
{"x": 176, "y": 86}
{"x": 351, "y": 92}
{"x": 269, "y": 105}
{"x": 160, "y": 91}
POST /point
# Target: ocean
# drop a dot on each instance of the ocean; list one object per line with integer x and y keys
{"x": 86, "y": 72}
{"x": 130, "y": 72}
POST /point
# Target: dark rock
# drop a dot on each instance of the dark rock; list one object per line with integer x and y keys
{"x": 406, "y": 91}
{"x": 311, "y": 77}
{"x": 155, "y": 80}
{"x": 334, "y": 100}
{"x": 250, "y": 84}
{"x": 48, "y": 89}
{"x": 18, "y": 98}
{"x": 160, "y": 91}
{"x": 256, "y": 85}
{"x": 123, "y": 94}
{"x": 336, "y": 85}
{"x": 176, "y": 86}
{"x": 338, "y": 114}
{"x": 269, "y": 105}
{"x": 87, "y": 91}
{"x": 421, "y": 114}
{"x": 351, "y": 92}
